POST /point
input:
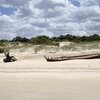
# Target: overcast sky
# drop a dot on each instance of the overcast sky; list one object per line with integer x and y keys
{"x": 28, "y": 18}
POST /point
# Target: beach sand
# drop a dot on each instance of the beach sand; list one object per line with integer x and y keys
{"x": 33, "y": 78}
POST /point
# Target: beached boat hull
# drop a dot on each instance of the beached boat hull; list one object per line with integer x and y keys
{"x": 63, "y": 58}
{"x": 52, "y": 59}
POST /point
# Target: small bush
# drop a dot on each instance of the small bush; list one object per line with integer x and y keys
{"x": 1, "y": 50}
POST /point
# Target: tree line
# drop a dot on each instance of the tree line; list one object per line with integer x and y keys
{"x": 47, "y": 40}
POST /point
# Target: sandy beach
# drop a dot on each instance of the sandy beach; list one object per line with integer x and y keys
{"x": 49, "y": 49}
{"x": 33, "y": 78}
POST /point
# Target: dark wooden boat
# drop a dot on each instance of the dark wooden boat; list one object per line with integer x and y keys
{"x": 51, "y": 59}
{"x": 63, "y": 58}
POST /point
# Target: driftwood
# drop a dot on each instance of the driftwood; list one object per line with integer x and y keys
{"x": 9, "y": 58}
{"x": 62, "y": 58}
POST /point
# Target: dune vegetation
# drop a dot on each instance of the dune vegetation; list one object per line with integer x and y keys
{"x": 51, "y": 45}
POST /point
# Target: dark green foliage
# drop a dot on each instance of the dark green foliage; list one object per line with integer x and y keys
{"x": 68, "y": 37}
{"x": 54, "y": 40}
{"x": 20, "y": 39}
{"x": 2, "y": 42}
{"x": 41, "y": 40}
{"x": 73, "y": 38}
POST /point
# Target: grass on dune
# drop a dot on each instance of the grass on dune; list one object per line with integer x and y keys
{"x": 50, "y": 48}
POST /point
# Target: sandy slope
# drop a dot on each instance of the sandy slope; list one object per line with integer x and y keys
{"x": 32, "y": 78}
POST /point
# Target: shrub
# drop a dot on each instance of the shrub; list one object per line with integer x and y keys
{"x": 1, "y": 50}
